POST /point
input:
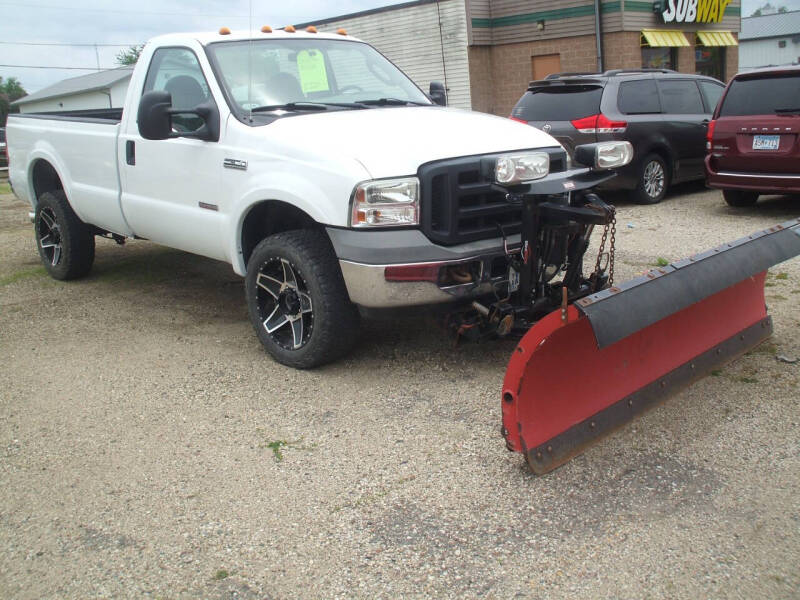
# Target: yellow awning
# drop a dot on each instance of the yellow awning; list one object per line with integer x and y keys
{"x": 716, "y": 38}
{"x": 659, "y": 38}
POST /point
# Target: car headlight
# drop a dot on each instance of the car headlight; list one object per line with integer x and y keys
{"x": 386, "y": 203}
{"x": 519, "y": 168}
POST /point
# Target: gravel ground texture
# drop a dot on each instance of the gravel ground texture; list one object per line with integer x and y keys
{"x": 150, "y": 447}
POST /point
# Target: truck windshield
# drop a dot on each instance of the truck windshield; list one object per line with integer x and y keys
{"x": 274, "y": 74}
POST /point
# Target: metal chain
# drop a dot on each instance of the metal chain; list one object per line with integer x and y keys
{"x": 610, "y": 226}
{"x": 611, "y": 247}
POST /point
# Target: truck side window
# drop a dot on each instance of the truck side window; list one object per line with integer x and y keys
{"x": 177, "y": 71}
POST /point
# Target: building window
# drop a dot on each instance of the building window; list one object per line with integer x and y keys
{"x": 710, "y": 61}
{"x": 659, "y": 58}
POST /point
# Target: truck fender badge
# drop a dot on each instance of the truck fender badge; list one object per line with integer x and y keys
{"x": 208, "y": 206}
{"x": 569, "y": 185}
{"x": 233, "y": 163}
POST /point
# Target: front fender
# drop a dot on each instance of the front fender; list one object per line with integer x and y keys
{"x": 328, "y": 207}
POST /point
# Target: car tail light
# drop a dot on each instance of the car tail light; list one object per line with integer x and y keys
{"x": 606, "y": 125}
{"x": 517, "y": 119}
{"x": 599, "y": 124}
{"x": 710, "y": 134}
{"x": 586, "y": 124}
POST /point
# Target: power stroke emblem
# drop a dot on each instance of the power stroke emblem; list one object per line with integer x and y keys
{"x": 234, "y": 163}
{"x": 547, "y": 128}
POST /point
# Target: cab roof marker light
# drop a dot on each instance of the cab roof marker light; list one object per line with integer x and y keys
{"x": 289, "y": 29}
{"x": 266, "y": 29}
{"x": 341, "y": 31}
{"x": 311, "y": 29}
{"x": 224, "y": 31}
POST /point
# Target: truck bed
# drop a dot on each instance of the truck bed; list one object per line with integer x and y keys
{"x": 96, "y": 115}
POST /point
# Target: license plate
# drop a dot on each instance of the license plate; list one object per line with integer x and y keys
{"x": 766, "y": 142}
{"x": 513, "y": 279}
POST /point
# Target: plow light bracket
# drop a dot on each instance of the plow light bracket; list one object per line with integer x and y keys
{"x": 604, "y": 155}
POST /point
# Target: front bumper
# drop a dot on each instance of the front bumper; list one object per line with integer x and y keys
{"x": 365, "y": 255}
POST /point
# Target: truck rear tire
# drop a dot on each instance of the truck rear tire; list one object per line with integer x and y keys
{"x": 739, "y": 198}
{"x": 65, "y": 243}
{"x": 298, "y": 301}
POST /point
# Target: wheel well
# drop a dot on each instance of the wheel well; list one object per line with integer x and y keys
{"x": 270, "y": 217}
{"x": 45, "y": 178}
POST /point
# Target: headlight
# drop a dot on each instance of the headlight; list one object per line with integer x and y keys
{"x": 386, "y": 203}
{"x": 519, "y": 168}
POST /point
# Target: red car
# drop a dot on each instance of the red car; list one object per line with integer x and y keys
{"x": 754, "y": 137}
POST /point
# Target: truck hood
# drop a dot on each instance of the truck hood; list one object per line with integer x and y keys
{"x": 395, "y": 141}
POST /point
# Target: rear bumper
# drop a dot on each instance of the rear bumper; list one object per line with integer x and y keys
{"x": 765, "y": 183}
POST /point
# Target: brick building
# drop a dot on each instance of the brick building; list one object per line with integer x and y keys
{"x": 486, "y": 51}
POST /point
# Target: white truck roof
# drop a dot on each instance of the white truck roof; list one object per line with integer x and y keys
{"x": 208, "y": 37}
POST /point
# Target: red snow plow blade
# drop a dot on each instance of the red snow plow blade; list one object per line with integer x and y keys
{"x": 579, "y": 374}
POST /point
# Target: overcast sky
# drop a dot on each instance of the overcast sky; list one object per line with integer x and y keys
{"x": 127, "y": 22}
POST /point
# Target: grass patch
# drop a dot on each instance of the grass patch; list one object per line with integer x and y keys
{"x": 5, "y": 187}
{"x": 21, "y": 275}
{"x": 716, "y": 372}
{"x": 278, "y": 445}
{"x": 221, "y": 574}
{"x": 765, "y": 348}
{"x": 747, "y": 379}
{"x": 783, "y": 276}
{"x": 769, "y": 284}
{"x": 661, "y": 262}
{"x": 776, "y": 297}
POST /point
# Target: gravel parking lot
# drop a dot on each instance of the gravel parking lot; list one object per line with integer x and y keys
{"x": 150, "y": 448}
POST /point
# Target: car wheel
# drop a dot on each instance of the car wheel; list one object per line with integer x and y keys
{"x": 65, "y": 243}
{"x": 653, "y": 180}
{"x": 739, "y": 198}
{"x": 297, "y": 299}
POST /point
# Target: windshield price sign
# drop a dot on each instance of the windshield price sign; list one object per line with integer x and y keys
{"x": 694, "y": 11}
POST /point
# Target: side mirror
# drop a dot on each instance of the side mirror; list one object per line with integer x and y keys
{"x": 438, "y": 93}
{"x": 154, "y": 118}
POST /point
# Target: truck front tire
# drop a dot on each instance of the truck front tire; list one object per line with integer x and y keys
{"x": 297, "y": 299}
{"x": 65, "y": 243}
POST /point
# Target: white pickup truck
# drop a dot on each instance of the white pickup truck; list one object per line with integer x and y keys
{"x": 307, "y": 161}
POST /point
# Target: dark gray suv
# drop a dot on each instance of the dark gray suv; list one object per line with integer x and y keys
{"x": 664, "y": 114}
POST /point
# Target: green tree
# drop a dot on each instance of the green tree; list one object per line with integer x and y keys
{"x": 128, "y": 58}
{"x": 10, "y": 89}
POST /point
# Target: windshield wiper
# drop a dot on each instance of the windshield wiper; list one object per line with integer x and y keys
{"x": 787, "y": 110}
{"x": 392, "y": 102}
{"x": 306, "y": 106}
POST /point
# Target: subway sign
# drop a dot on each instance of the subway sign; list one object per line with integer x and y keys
{"x": 693, "y": 11}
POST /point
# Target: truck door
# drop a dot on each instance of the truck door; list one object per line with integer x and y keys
{"x": 170, "y": 188}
